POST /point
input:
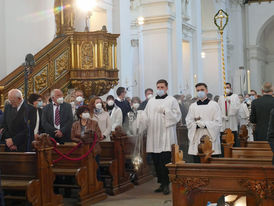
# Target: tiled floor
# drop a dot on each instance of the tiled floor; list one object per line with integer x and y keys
{"x": 141, "y": 195}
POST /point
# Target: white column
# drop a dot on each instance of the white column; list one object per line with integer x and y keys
{"x": 158, "y": 44}
{"x": 2, "y": 40}
{"x": 121, "y": 25}
{"x": 197, "y": 42}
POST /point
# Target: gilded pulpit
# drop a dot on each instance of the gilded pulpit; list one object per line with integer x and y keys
{"x": 82, "y": 60}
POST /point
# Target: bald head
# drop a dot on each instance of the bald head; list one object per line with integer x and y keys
{"x": 267, "y": 88}
{"x": 56, "y": 94}
{"x": 15, "y": 97}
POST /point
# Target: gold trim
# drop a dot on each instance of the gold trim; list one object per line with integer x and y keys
{"x": 78, "y": 55}
{"x": 115, "y": 56}
{"x": 72, "y": 53}
{"x": 95, "y": 56}
{"x": 101, "y": 59}
{"x": 62, "y": 13}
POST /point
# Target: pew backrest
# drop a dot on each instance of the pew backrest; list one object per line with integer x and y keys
{"x": 1, "y": 193}
{"x": 245, "y": 152}
{"x": 18, "y": 165}
{"x": 107, "y": 150}
{"x": 258, "y": 144}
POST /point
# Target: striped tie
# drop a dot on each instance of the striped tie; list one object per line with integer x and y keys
{"x": 57, "y": 116}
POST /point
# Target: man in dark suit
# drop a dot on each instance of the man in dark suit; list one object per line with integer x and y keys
{"x": 57, "y": 117}
{"x": 19, "y": 122}
{"x": 122, "y": 102}
{"x": 260, "y": 111}
{"x": 270, "y": 133}
{"x": 148, "y": 94}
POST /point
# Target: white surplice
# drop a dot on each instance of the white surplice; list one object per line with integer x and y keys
{"x": 210, "y": 115}
{"x": 243, "y": 114}
{"x": 162, "y": 117}
{"x": 231, "y": 120}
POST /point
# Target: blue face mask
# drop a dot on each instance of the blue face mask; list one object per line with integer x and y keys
{"x": 252, "y": 98}
{"x": 40, "y": 104}
{"x": 160, "y": 93}
{"x": 201, "y": 94}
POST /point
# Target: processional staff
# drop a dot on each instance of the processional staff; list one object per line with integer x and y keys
{"x": 221, "y": 20}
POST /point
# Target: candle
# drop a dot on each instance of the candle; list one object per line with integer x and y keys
{"x": 248, "y": 81}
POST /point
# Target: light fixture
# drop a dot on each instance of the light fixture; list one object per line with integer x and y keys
{"x": 203, "y": 55}
{"x": 141, "y": 20}
{"x": 87, "y": 6}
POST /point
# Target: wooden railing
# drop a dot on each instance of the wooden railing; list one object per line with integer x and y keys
{"x": 85, "y": 60}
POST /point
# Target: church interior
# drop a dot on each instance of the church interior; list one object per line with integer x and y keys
{"x": 103, "y": 101}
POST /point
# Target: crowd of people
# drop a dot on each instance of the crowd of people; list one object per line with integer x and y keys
{"x": 72, "y": 118}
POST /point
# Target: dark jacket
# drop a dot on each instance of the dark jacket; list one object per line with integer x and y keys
{"x": 41, "y": 129}
{"x": 270, "y": 133}
{"x": 66, "y": 120}
{"x": 19, "y": 125}
{"x": 260, "y": 112}
{"x": 125, "y": 107}
{"x": 143, "y": 105}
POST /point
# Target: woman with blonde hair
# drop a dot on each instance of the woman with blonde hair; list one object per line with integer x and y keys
{"x": 98, "y": 113}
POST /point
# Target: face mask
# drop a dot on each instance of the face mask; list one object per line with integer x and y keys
{"x": 149, "y": 96}
{"x": 135, "y": 105}
{"x": 79, "y": 99}
{"x": 252, "y": 98}
{"x": 72, "y": 104}
{"x": 180, "y": 101}
{"x": 40, "y": 104}
{"x": 160, "y": 93}
{"x": 228, "y": 91}
{"x": 98, "y": 106}
{"x": 201, "y": 94}
{"x": 85, "y": 115}
{"x": 60, "y": 100}
{"x": 110, "y": 103}
{"x": 247, "y": 100}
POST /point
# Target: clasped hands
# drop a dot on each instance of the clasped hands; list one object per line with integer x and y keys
{"x": 199, "y": 123}
{"x": 10, "y": 144}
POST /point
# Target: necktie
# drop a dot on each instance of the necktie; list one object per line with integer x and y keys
{"x": 57, "y": 116}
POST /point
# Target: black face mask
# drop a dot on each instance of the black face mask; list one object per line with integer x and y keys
{"x": 110, "y": 107}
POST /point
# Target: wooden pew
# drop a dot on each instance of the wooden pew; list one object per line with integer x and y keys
{"x": 2, "y": 148}
{"x": 197, "y": 184}
{"x": 143, "y": 173}
{"x": 84, "y": 171}
{"x": 112, "y": 163}
{"x": 30, "y": 174}
{"x": 243, "y": 152}
{"x": 205, "y": 151}
{"x": 243, "y": 136}
{"x": 1, "y": 193}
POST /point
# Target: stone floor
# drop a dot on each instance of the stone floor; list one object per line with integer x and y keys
{"x": 141, "y": 195}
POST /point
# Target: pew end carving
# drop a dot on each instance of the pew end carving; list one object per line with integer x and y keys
{"x": 205, "y": 149}
{"x": 176, "y": 154}
{"x": 227, "y": 142}
{"x": 243, "y": 136}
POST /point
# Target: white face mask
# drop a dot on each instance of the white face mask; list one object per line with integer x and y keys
{"x": 79, "y": 99}
{"x": 149, "y": 96}
{"x": 85, "y": 115}
{"x": 228, "y": 91}
{"x": 98, "y": 106}
{"x": 60, "y": 100}
{"x": 135, "y": 105}
{"x": 110, "y": 103}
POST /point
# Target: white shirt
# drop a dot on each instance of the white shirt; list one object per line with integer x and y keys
{"x": 104, "y": 123}
{"x": 54, "y": 109}
{"x": 120, "y": 100}
{"x": 209, "y": 114}
{"x": 162, "y": 117}
{"x": 116, "y": 117}
{"x": 20, "y": 105}
{"x": 230, "y": 120}
{"x": 36, "y": 130}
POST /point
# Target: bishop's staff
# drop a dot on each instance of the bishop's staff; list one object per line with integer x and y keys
{"x": 220, "y": 20}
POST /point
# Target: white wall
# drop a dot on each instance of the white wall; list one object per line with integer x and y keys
{"x": 2, "y": 40}
{"x": 29, "y": 26}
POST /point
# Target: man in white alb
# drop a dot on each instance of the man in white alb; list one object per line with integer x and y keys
{"x": 230, "y": 110}
{"x": 203, "y": 118}
{"x": 163, "y": 114}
